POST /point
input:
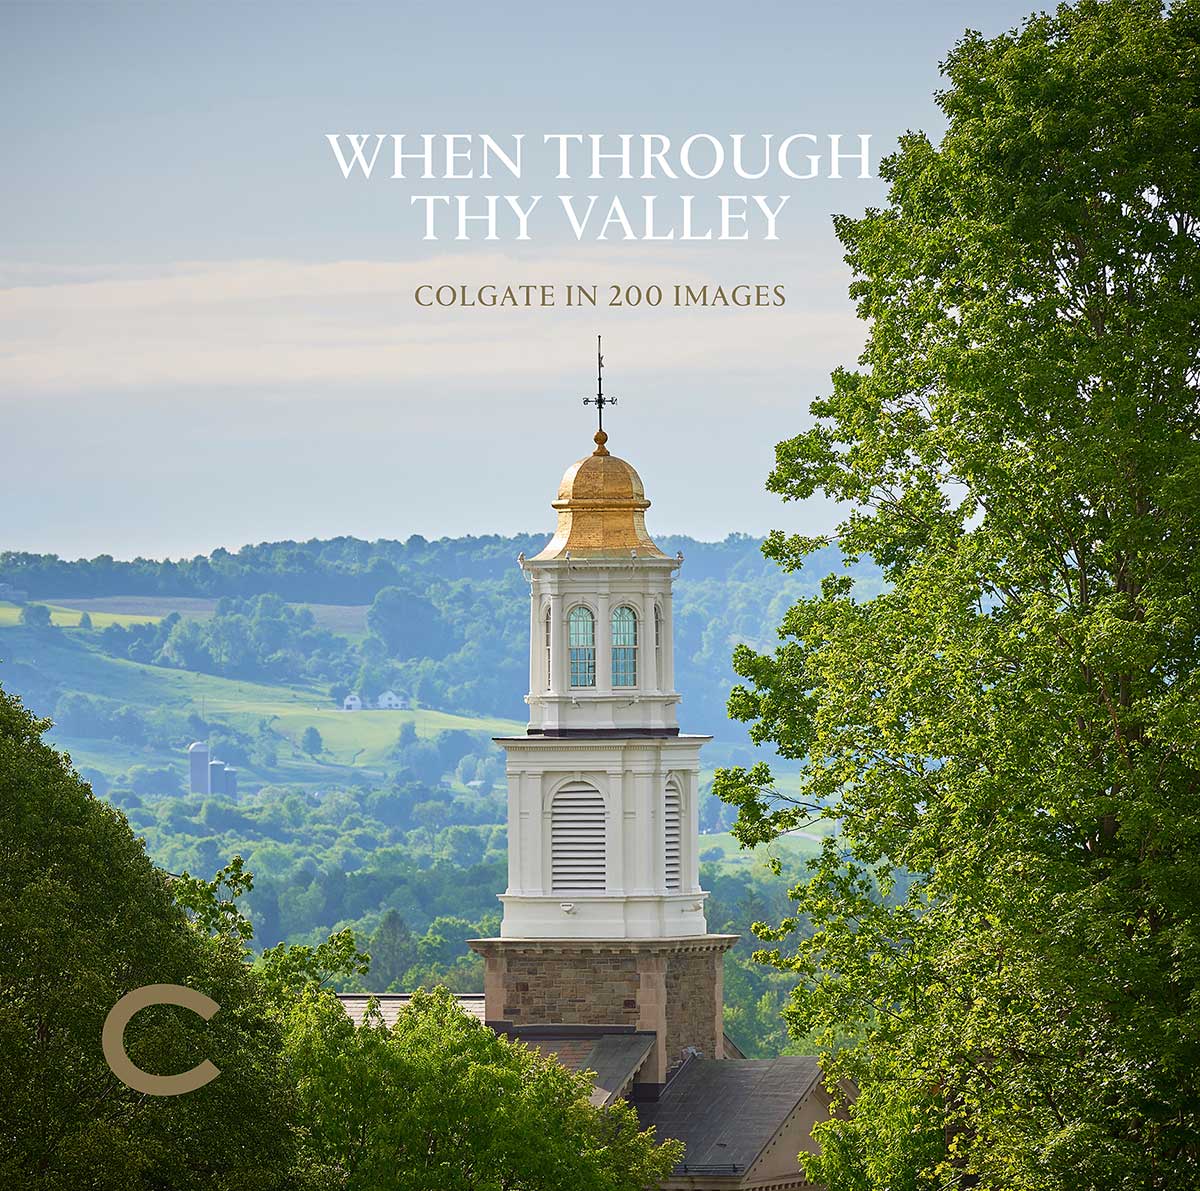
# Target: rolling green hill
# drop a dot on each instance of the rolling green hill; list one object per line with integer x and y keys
{"x": 251, "y": 649}
{"x": 400, "y": 811}
{"x": 42, "y": 666}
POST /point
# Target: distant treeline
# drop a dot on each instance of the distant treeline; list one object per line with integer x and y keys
{"x": 340, "y": 570}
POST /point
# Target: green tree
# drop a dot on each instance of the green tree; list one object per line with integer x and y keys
{"x": 445, "y": 939}
{"x": 372, "y": 681}
{"x": 409, "y": 625}
{"x": 35, "y": 616}
{"x": 1014, "y": 721}
{"x": 441, "y": 1103}
{"x": 393, "y": 950}
{"x": 311, "y": 742}
{"x": 85, "y": 620}
{"x": 87, "y": 918}
{"x": 433, "y": 815}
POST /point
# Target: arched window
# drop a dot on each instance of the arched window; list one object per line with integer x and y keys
{"x": 658, "y": 647}
{"x": 577, "y": 844}
{"x": 581, "y": 641}
{"x": 672, "y": 835}
{"x": 549, "y": 674}
{"x": 624, "y": 646}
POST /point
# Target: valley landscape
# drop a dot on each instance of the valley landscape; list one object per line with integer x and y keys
{"x": 387, "y": 821}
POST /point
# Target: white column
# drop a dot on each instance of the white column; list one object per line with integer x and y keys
{"x": 690, "y": 841}
{"x": 532, "y": 843}
{"x": 535, "y": 832}
{"x": 643, "y": 793}
{"x": 515, "y": 882}
{"x": 655, "y": 648}
{"x": 536, "y": 684}
{"x": 557, "y": 645}
{"x": 668, "y": 642}
{"x": 603, "y": 643}
{"x": 631, "y": 832}
{"x": 644, "y": 606}
{"x": 615, "y": 831}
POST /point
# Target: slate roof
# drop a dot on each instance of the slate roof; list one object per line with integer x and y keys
{"x": 614, "y": 1057}
{"x": 726, "y": 1110}
{"x": 390, "y": 1004}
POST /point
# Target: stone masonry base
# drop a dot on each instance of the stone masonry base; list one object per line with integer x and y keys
{"x": 671, "y": 986}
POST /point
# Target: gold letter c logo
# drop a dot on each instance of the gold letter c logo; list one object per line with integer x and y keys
{"x": 112, "y": 1039}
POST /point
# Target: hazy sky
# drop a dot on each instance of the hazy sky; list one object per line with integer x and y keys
{"x": 208, "y": 337}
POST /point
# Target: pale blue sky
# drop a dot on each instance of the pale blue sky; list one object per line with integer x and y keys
{"x": 207, "y": 337}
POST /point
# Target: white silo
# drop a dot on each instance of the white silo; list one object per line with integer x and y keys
{"x": 198, "y": 767}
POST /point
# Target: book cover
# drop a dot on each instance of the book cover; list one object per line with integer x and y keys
{"x": 599, "y": 597}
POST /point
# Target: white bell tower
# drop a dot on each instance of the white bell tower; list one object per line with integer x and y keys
{"x": 603, "y": 788}
{"x": 604, "y": 915}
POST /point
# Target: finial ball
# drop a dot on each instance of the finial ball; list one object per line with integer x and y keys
{"x": 600, "y": 439}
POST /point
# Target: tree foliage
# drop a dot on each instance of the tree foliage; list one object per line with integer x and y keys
{"x": 260, "y": 637}
{"x": 1014, "y": 721}
{"x": 86, "y": 918}
{"x": 409, "y": 625}
{"x": 35, "y": 616}
{"x": 441, "y": 1103}
{"x": 311, "y": 742}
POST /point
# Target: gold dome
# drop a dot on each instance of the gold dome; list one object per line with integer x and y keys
{"x": 601, "y": 510}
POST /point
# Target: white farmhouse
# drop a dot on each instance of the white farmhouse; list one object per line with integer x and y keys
{"x": 389, "y": 701}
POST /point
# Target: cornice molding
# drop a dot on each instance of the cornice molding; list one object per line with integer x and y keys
{"x": 674, "y": 946}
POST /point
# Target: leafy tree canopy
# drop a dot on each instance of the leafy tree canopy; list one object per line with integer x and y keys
{"x": 1014, "y": 720}
{"x": 409, "y": 625}
{"x": 86, "y": 919}
{"x": 441, "y": 1102}
{"x": 36, "y": 616}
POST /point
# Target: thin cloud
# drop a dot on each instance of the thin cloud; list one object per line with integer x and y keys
{"x": 270, "y": 324}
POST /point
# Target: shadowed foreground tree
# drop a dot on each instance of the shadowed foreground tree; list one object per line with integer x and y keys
{"x": 84, "y": 918}
{"x": 1015, "y": 721}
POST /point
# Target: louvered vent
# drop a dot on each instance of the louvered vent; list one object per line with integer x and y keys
{"x": 672, "y": 824}
{"x": 577, "y": 840}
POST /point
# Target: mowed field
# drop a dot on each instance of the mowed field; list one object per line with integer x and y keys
{"x": 68, "y": 616}
{"x": 348, "y": 619}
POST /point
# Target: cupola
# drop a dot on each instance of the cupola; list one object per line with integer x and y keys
{"x": 601, "y": 510}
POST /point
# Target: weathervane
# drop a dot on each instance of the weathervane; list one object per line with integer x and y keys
{"x": 599, "y": 401}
